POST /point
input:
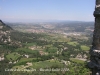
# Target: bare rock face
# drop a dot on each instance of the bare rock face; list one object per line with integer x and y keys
{"x": 96, "y": 36}
{"x": 95, "y": 50}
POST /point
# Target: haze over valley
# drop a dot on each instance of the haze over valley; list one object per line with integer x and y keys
{"x": 45, "y": 37}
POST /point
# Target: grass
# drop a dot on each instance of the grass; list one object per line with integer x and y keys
{"x": 26, "y": 50}
{"x": 73, "y": 43}
{"x": 83, "y": 47}
{"x": 23, "y": 61}
{"x": 76, "y": 60}
{"x": 38, "y": 65}
{"x": 46, "y": 64}
{"x": 18, "y": 67}
{"x": 13, "y": 56}
{"x": 57, "y": 38}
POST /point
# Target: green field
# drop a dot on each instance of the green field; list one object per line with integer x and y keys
{"x": 83, "y": 47}
{"x": 76, "y": 60}
{"x": 24, "y": 61}
{"x": 73, "y": 43}
{"x": 47, "y": 64}
{"x": 13, "y": 56}
{"x": 26, "y": 50}
{"x": 29, "y": 44}
{"x": 37, "y": 65}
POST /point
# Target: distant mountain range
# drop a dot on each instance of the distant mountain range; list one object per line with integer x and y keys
{"x": 43, "y": 21}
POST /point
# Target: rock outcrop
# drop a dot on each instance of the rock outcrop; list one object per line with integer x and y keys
{"x": 94, "y": 63}
{"x": 5, "y": 31}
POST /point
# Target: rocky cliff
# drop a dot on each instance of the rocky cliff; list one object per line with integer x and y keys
{"x": 5, "y": 32}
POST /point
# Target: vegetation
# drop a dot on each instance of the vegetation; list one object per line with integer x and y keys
{"x": 46, "y": 51}
{"x": 76, "y": 60}
{"x": 83, "y": 47}
{"x": 13, "y": 56}
{"x": 73, "y": 43}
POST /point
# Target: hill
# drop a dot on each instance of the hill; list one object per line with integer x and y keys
{"x": 5, "y": 31}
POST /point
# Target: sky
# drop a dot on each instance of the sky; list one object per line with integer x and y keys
{"x": 42, "y": 10}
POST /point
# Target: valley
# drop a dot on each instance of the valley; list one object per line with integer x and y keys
{"x": 54, "y": 45}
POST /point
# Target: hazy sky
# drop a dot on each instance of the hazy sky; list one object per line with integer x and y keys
{"x": 31, "y": 10}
